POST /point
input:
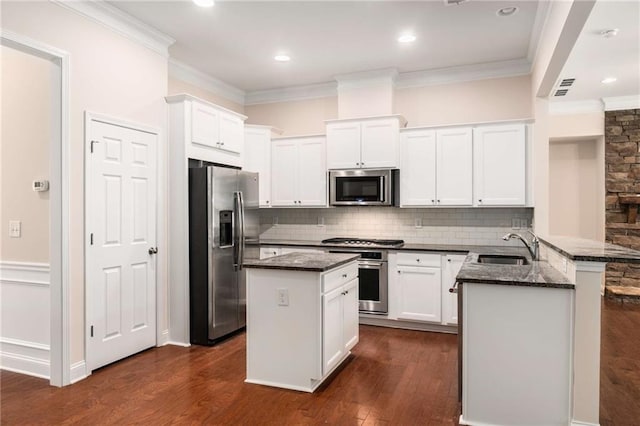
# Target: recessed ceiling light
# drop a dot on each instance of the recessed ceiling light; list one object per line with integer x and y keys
{"x": 507, "y": 11}
{"x": 609, "y": 80}
{"x": 203, "y": 3}
{"x": 407, "y": 38}
{"x": 609, "y": 33}
{"x": 282, "y": 58}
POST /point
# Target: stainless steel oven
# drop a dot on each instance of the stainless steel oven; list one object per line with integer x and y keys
{"x": 372, "y": 276}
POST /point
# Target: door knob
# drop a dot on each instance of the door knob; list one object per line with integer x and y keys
{"x": 153, "y": 250}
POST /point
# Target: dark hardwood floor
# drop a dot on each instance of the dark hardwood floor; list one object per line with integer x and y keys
{"x": 393, "y": 377}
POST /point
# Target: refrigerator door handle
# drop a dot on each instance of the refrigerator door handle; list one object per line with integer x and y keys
{"x": 241, "y": 229}
{"x": 236, "y": 230}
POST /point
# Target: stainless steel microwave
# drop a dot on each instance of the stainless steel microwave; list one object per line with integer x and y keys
{"x": 364, "y": 187}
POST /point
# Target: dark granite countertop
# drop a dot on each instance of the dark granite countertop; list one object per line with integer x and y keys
{"x": 311, "y": 262}
{"x": 535, "y": 274}
{"x": 580, "y": 249}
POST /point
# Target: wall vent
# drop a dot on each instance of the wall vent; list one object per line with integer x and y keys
{"x": 567, "y": 82}
{"x": 561, "y": 92}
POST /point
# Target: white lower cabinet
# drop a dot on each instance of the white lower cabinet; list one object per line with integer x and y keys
{"x": 297, "y": 342}
{"x": 451, "y": 264}
{"x": 419, "y": 292}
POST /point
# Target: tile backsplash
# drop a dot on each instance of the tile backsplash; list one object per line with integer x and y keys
{"x": 474, "y": 226}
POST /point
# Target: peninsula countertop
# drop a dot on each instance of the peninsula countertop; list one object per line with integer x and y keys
{"x": 580, "y": 249}
{"x": 311, "y": 262}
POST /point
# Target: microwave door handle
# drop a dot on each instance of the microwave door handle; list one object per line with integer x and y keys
{"x": 383, "y": 192}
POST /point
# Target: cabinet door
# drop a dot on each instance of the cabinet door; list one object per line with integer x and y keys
{"x": 379, "y": 143}
{"x": 284, "y": 173}
{"x": 343, "y": 145}
{"x": 419, "y": 290}
{"x": 418, "y": 168}
{"x": 499, "y": 160}
{"x": 332, "y": 329}
{"x": 257, "y": 158}
{"x": 312, "y": 172}
{"x": 204, "y": 125}
{"x": 231, "y": 133}
{"x": 451, "y": 265}
{"x": 350, "y": 315}
{"x": 454, "y": 167}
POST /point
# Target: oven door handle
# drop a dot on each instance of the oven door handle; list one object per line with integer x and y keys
{"x": 362, "y": 264}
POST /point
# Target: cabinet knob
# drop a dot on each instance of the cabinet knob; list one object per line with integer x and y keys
{"x": 480, "y": 200}
{"x": 221, "y": 143}
{"x": 399, "y": 271}
{"x": 362, "y": 164}
{"x": 418, "y": 260}
{"x": 344, "y": 275}
{"x": 346, "y": 292}
{"x": 448, "y": 260}
{"x": 357, "y": 164}
{"x": 267, "y": 201}
{"x": 433, "y": 201}
{"x": 438, "y": 201}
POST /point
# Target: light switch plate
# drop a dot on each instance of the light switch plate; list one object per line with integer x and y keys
{"x": 320, "y": 221}
{"x": 418, "y": 222}
{"x": 283, "y": 297}
{"x": 15, "y": 228}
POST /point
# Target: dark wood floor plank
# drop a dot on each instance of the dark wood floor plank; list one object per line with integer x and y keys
{"x": 393, "y": 377}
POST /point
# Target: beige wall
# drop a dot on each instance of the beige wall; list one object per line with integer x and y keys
{"x": 576, "y": 125}
{"x": 176, "y": 86}
{"x": 295, "y": 117}
{"x": 466, "y": 102}
{"x": 109, "y": 74}
{"x": 26, "y": 122}
{"x": 576, "y": 190}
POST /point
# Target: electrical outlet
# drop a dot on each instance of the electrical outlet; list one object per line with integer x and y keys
{"x": 283, "y": 297}
{"x": 418, "y": 222}
{"x": 15, "y": 228}
{"x": 524, "y": 223}
{"x": 320, "y": 221}
{"x": 275, "y": 221}
{"x": 515, "y": 223}
{"x": 564, "y": 265}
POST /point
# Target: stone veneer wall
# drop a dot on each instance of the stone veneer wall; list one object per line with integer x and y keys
{"x": 622, "y": 162}
{"x": 473, "y": 226}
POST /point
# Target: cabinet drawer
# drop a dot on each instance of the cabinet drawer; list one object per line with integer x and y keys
{"x": 419, "y": 259}
{"x": 338, "y": 277}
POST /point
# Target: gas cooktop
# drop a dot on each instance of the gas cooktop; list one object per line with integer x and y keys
{"x": 359, "y": 242}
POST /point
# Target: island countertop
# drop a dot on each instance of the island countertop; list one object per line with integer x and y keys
{"x": 535, "y": 274}
{"x": 311, "y": 262}
{"x": 580, "y": 249}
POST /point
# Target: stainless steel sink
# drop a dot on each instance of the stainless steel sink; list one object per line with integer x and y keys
{"x": 498, "y": 259}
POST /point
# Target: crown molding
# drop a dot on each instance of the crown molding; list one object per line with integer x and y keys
{"x": 198, "y": 78}
{"x": 542, "y": 13}
{"x": 575, "y": 107}
{"x": 372, "y": 78}
{"x": 294, "y": 93}
{"x": 122, "y": 23}
{"x": 621, "y": 102}
{"x": 463, "y": 73}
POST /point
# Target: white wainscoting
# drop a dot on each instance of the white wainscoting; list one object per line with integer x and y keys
{"x": 25, "y": 318}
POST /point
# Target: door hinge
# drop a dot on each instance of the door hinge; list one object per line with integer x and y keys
{"x": 91, "y": 331}
{"x": 91, "y": 238}
{"x": 92, "y": 142}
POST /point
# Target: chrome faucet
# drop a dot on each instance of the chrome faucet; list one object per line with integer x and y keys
{"x": 534, "y": 247}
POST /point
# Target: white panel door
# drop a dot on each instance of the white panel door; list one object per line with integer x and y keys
{"x": 350, "y": 315}
{"x": 257, "y": 158}
{"x": 284, "y": 172}
{"x": 451, "y": 265}
{"x": 343, "y": 145}
{"x": 312, "y": 172}
{"x": 205, "y": 128}
{"x": 419, "y": 290}
{"x": 418, "y": 168}
{"x": 499, "y": 159}
{"x": 121, "y": 222}
{"x": 454, "y": 167}
{"x": 379, "y": 143}
{"x": 231, "y": 133}
{"x": 332, "y": 333}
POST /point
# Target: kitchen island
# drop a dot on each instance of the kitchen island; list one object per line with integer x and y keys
{"x": 302, "y": 317}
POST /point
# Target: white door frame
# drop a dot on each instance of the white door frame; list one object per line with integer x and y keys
{"x": 161, "y": 335}
{"x": 59, "y": 350}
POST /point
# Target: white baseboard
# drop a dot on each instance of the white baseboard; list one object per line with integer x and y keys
{"x": 78, "y": 372}
{"x": 25, "y": 357}
{"x": 184, "y": 345}
{"x": 164, "y": 338}
{"x": 579, "y": 423}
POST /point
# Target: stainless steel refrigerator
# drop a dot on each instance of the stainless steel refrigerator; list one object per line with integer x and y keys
{"x": 223, "y": 218}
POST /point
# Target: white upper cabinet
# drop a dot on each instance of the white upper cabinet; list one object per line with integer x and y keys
{"x": 257, "y": 157}
{"x": 454, "y": 170}
{"x": 500, "y": 165}
{"x": 418, "y": 168}
{"x": 205, "y": 125}
{"x": 231, "y": 132}
{"x": 436, "y": 167}
{"x": 299, "y": 173}
{"x": 363, "y": 143}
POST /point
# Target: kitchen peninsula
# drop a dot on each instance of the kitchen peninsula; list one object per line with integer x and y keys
{"x": 302, "y": 317}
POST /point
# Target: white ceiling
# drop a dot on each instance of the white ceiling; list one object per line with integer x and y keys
{"x": 235, "y": 41}
{"x": 594, "y": 57}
